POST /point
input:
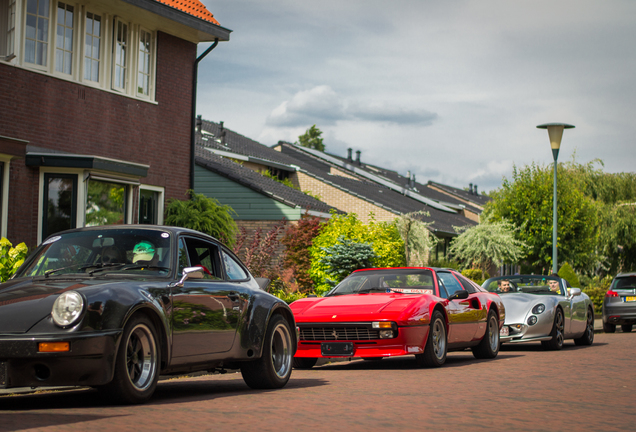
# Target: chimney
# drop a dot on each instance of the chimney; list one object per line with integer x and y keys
{"x": 358, "y": 158}
{"x": 413, "y": 181}
{"x": 349, "y": 157}
{"x": 470, "y": 188}
{"x": 476, "y": 190}
{"x": 199, "y": 123}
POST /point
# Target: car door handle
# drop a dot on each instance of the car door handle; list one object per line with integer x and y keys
{"x": 233, "y": 296}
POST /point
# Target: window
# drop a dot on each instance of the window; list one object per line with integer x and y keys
{"x": 106, "y": 203}
{"x": 7, "y": 29}
{"x": 450, "y": 283}
{"x": 201, "y": 253}
{"x": 143, "y": 74}
{"x": 37, "y": 32}
{"x": 60, "y": 203}
{"x": 92, "y": 47}
{"x": 233, "y": 269}
{"x": 64, "y": 39}
{"x": 120, "y": 50}
{"x": 468, "y": 285}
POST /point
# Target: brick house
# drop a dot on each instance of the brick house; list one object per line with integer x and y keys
{"x": 96, "y": 116}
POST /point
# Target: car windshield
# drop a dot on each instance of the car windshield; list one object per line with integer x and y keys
{"x": 532, "y": 284}
{"x": 99, "y": 252}
{"x": 628, "y": 282}
{"x": 398, "y": 281}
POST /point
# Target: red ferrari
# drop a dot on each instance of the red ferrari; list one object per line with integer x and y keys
{"x": 386, "y": 312}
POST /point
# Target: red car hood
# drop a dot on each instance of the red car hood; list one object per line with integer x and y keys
{"x": 354, "y": 307}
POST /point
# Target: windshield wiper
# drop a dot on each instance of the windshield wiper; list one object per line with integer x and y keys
{"x": 102, "y": 267}
{"x": 139, "y": 266}
{"x": 81, "y": 267}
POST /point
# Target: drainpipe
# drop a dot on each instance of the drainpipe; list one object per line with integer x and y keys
{"x": 194, "y": 108}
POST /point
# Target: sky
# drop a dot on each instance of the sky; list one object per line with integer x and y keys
{"x": 450, "y": 90}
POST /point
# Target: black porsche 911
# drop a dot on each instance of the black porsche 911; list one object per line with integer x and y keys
{"x": 115, "y": 307}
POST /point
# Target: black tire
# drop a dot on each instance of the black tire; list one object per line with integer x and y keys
{"x": 626, "y": 328}
{"x": 434, "y": 354}
{"x": 588, "y": 336}
{"x": 609, "y": 328}
{"x": 558, "y": 327}
{"x": 304, "y": 362}
{"x": 488, "y": 348}
{"x": 136, "y": 365}
{"x": 274, "y": 367}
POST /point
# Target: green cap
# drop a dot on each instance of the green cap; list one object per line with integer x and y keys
{"x": 143, "y": 251}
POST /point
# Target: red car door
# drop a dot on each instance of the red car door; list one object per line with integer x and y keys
{"x": 463, "y": 314}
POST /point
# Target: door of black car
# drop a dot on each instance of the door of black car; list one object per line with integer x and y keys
{"x": 205, "y": 311}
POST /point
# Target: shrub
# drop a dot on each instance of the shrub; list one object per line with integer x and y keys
{"x": 383, "y": 237}
{"x": 260, "y": 253}
{"x": 297, "y": 259}
{"x": 287, "y": 297}
{"x": 11, "y": 258}
{"x": 476, "y": 275}
{"x": 567, "y": 272}
{"x": 203, "y": 214}
{"x": 345, "y": 257}
{"x": 596, "y": 294}
{"x": 444, "y": 263}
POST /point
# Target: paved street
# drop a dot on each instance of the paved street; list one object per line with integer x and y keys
{"x": 523, "y": 389}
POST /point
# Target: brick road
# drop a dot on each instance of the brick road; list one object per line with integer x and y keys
{"x": 523, "y": 389}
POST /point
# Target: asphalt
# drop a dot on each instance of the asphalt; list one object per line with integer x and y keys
{"x": 598, "y": 328}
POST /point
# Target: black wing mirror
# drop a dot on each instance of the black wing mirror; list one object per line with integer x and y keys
{"x": 459, "y": 295}
{"x": 190, "y": 273}
{"x": 262, "y": 282}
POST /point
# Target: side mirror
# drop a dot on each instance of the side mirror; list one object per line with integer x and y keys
{"x": 459, "y": 295}
{"x": 262, "y": 282}
{"x": 190, "y": 273}
{"x": 574, "y": 291}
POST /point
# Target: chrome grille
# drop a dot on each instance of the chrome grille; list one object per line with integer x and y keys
{"x": 338, "y": 333}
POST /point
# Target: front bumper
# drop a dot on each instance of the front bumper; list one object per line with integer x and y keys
{"x": 89, "y": 362}
{"x": 409, "y": 341}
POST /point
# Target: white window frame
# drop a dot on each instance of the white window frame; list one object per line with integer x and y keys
{"x": 52, "y": 17}
{"x": 151, "y": 63}
{"x": 63, "y": 49}
{"x": 102, "y": 44}
{"x": 126, "y": 58}
{"x": 160, "y": 200}
{"x": 4, "y": 210}
{"x": 8, "y": 11}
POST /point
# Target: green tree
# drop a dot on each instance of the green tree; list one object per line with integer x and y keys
{"x": 526, "y": 202}
{"x": 11, "y": 258}
{"x": 383, "y": 237}
{"x": 311, "y": 139}
{"x": 345, "y": 257}
{"x": 417, "y": 239}
{"x": 486, "y": 243}
{"x": 567, "y": 272}
{"x": 203, "y": 214}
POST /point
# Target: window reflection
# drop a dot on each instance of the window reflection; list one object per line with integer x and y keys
{"x": 105, "y": 203}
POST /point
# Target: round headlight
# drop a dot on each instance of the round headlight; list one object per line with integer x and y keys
{"x": 540, "y": 308}
{"x": 532, "y": 320}
{"x": 67, "y": 308}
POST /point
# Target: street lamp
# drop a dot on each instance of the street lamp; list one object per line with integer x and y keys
{"x": 555, "y": 132}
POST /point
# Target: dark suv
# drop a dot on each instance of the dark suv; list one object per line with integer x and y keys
{"x": 619, "y": 304}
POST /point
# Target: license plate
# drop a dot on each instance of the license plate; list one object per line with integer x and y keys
{"x": 630, "y": 298}
{"x": 337, "y": 349}
{"x": 505, "y": 331}
{"x": 3, "y": 374}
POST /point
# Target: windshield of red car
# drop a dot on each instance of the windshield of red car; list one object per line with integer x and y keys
{"x": 399, "y": 281}
{"x": 98, "y": 252}
{"x": 531, "y": 284}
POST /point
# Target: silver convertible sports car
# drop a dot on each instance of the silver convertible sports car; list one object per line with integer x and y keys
{"x": 543, "y": 308}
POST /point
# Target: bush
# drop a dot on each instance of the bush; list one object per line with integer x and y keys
{"x": 11, "y": 258}
{"x": 476, "y": 275}
{"x": 443, "y": 263}
{"x": 297, "y": 259}
{"x": 203, "y": 214}
{"x": 288, "y": 297}
{"x": 345, "y": 257}
{"x": 567, "y": 272}
{"x": 385, "y": 241}
{"x": 596, "y": 287}
{"x": 260, "y": 253}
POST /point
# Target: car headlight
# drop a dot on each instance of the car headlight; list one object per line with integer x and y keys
{"x": 386, "y": 334}
{"x": 532, "y": 320}
{"x": 67, "y": 308}
{"x": 538, "y": 309}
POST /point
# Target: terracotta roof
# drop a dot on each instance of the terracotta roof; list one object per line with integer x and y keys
{"x": 191, "y": 7}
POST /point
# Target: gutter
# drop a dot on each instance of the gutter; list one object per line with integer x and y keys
{"x": 194, "y": 108}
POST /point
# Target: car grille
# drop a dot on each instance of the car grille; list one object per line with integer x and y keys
{"x": 338, "y": 333}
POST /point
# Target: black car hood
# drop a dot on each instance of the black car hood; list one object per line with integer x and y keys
{"x": 25, "y": 302}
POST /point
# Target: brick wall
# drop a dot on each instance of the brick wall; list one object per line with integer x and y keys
{"x": 57, "y": 114}
{"x": 343, "y": 200}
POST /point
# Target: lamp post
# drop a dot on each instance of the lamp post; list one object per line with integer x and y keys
{"x": 555, "y": 132}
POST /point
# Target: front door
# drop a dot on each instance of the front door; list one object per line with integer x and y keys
{"x": 463, "y": 314}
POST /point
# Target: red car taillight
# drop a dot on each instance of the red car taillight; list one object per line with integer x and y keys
{"x": 611, "y": 293}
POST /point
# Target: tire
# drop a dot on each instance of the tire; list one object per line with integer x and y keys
{"x": 274, "y": 367}
{"x": 434, "y": 354}
{"x": 136, "y": 365}
{"x": 588, "y": 336}
{"x": 304, "y": 362}
{"x": 488, "y": 348}
{"x": 626, "y": 328}
{"x": 556, "y": 343}
{"x": 609, "y": 328}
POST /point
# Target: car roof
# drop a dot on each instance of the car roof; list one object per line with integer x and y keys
{"x": 172, "y": 229}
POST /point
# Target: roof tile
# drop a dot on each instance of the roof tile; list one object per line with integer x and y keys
{"x": 191, "y": 7}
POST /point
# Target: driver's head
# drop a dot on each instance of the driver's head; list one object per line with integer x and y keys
{"x": 504, "y": 285}
{"x": 554, "y": 285}
{"x": 143, "y": 252}
{"x": 111, "y": 255}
